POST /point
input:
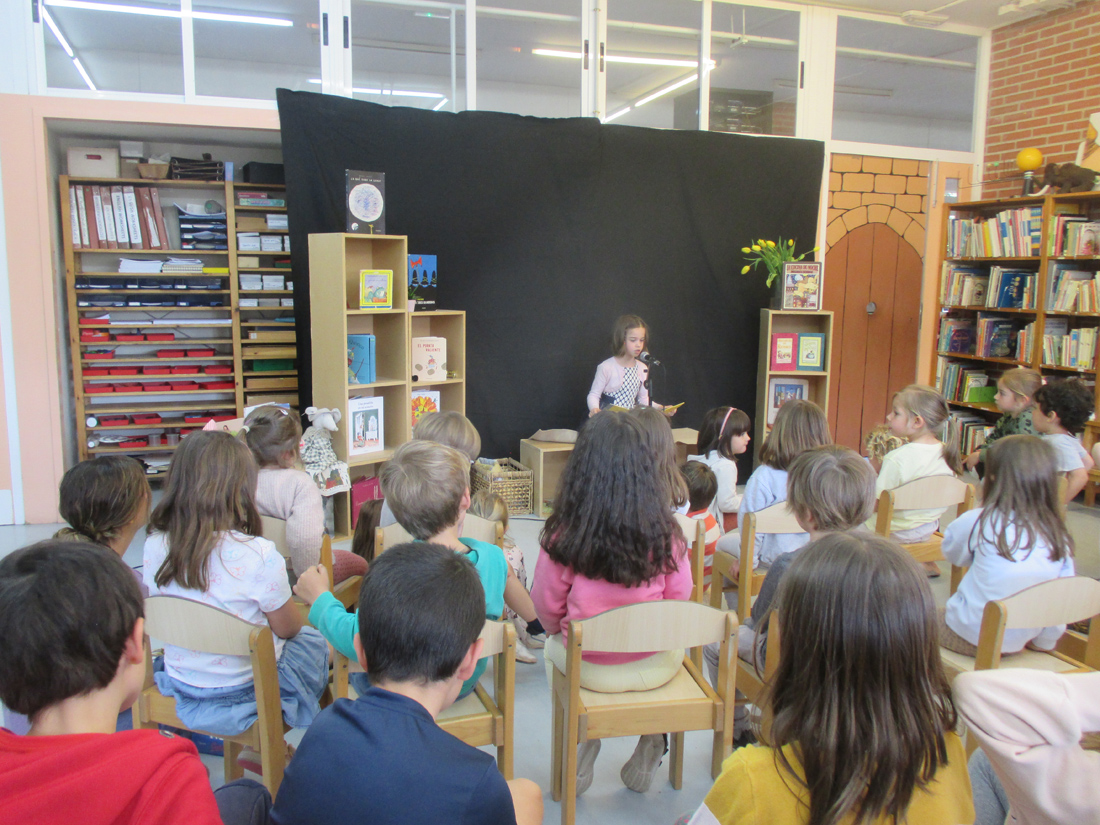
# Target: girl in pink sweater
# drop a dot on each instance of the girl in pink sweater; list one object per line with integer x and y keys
{"x": 285, "y": 491}
{"x": 611, "y": 541}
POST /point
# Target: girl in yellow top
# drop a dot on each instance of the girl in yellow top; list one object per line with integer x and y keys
{"x": 863, "y": 722}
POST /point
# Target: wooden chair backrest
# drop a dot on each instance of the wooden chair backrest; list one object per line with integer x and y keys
{"x": 473, "y": 527}
{"x": 925, "y": 493}
{"x": 694, "y": 532}
{"x": 390, "y": 536}
{"x": 776, "y": 519}
{"x": 275, "y": 532}
{"x": 653, "y": 626}
{"x": 197, "y": 626}
{"x": 491, "y": 635}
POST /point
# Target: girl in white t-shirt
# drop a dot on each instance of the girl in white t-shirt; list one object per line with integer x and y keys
{"x": 919, "y": 415}
{"x": 723, "y": 436}
{"x": 1016, "y": 539}
{"x": 205, "y": 544}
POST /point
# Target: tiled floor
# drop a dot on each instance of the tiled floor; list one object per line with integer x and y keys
{"x": 607, "y": 802}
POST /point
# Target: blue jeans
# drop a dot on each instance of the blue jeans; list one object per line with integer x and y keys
{"x": 303, "y": 675}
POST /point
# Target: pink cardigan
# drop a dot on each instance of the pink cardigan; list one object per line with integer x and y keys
{"x": 561, "y": 595}
{"x": 609, "y": 377}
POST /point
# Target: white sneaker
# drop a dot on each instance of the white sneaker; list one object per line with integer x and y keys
{"x": 586, "y": 761}
{"x": 637, "y": 773}
{"x": 534, "y": 642}
{"x": 523, "y": 654}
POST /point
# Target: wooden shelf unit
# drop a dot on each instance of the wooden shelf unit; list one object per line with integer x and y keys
{"x": 229, "y": 341}
{"x": 335, "y": 260}
{"x": 788, "y": 320}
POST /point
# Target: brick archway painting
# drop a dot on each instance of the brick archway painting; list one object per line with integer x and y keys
{"x": 873, "y": 270}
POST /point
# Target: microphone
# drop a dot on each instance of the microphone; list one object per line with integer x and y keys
{"x": 646, "y": 358}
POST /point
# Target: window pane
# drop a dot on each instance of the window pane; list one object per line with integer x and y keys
{"x": 904, "y": 86}
{"x": 754, "y": 82}
{"x": 253, "y": 59}
{"x": 652, "y": 62}
{"x": 121, "y": 51}
{"x": 511, "y": 76}
{"x": 401, "y": 55}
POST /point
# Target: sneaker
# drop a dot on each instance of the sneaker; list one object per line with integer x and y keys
{"x": 586, "y": 761}
{"x": 249, "y": 759}
{"x": 637, "y": 773}
{"x": 534, "y": 641}
{"x": 523, "y": 654}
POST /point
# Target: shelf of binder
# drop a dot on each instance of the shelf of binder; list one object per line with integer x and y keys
{"x": 362, "y": 358}
{"x": 162, "y": 336}
{"x": 1018, "y": 287}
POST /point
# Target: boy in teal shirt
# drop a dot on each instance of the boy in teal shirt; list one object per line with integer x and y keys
{"x": 428, "y": 487}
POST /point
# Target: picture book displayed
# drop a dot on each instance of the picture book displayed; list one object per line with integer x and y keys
{"x": 361, "y": 360}
{"x": 782, "y": 390}
{"x": 376, "y": 289}
{"x": 366, "y": 426}
{"x": 429, "y": 359}
{"x": 784, "y": 345}
{"x": 366, "y": 202}
{"x": 422, "y": 282}
{"x": 802, "y": 285}
{"x": 424, "y": 402}
{"x": 811, "y": 351}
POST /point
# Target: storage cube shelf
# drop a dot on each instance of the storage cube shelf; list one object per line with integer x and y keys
{"x": 164, "y": 320}
{"x": 335, "y": 261}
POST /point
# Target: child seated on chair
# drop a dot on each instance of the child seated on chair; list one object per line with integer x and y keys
{"x": 702, "y": 484}
{"x": 71, "y": 620}
{"x": 1062, "y": 408}
{"x": 381, "y": 759}
{"x": 428, "y": 486}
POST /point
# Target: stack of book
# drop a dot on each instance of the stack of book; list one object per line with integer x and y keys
{"x": 997, "y": 337}
{"x": 957, "y": 335}
{"x": 971, "y": 431}
{"x": 116, "y": 217}
{"x": 959, "y": 382}
{"x": 1011, "y": 233}
{"x": 963, "y": 286}
{"x": 1071, "y": 290}
{"x": 1075, "y": 348}
{"x": 259, "y": 198}
{"x": 1011, "y": 288}
{"x": 1074, "y": 235}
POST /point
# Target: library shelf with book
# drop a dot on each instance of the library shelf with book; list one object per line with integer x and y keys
{"x": 335, "y": 262}
{"x": 1010, "y": 296}
{"x": 788, "y": 380}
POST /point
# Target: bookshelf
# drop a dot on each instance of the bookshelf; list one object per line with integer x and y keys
{"x": 335, "y": 260}
{"x": 1007, "y": 275}
{"x": 156, "y": 354}
{"x": 772, "y": 322}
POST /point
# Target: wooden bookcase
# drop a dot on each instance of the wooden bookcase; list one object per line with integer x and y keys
{"x": 774, "y": 321}
{"x": 1052, "y": 205}
{"x": 217, "y": 334}
{"x": 335, "y": 260}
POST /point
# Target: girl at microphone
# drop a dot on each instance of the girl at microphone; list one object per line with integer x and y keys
{"x": 620, "y": 380}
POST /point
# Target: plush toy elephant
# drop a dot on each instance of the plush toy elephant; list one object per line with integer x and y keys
{"x": 1069, "y": 177}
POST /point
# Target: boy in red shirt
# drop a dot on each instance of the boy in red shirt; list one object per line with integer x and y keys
{"x": 702, "y": 488}
{"x": 72, "y": 659}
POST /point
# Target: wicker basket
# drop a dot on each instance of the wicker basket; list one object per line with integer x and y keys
{"x": 509, "y": 479}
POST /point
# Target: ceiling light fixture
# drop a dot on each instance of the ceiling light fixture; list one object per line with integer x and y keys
{"x": 439, "y": 105}
{"x": 611, "y": 58}
{"x": 925, "y": 19}
{"x": 216, "y": 17}
{"x": 390, "y": 92}
{"x": 669, "y": 88}
{"x": 1035, "y": 6}
{"x": 68, "y": 50}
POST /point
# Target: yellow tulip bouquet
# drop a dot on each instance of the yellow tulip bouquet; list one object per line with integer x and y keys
{"x": 773, "y": 255}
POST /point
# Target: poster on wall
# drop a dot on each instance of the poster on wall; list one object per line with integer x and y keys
{"x": 802, "y": 285}
{"x": 366, "y": 202}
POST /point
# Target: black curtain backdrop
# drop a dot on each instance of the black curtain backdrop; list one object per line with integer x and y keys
{"x": 548, "y": 229}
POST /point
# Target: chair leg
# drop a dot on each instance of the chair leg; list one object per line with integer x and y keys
{"x": 556, "y": 735}
{"x": 273, "y": 760}
{"x": 232, "y": 769}
{"x": 719, "y": 751}
{"x": 569, "y": 770}
{"x": 676, "y": 759}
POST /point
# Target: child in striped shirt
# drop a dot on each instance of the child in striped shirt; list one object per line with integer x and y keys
{"x": 702, "y": 486}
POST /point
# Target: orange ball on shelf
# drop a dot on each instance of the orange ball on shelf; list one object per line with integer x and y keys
{"x": 1030, "y": 159}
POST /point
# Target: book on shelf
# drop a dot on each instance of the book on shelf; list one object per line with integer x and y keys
{"x": 1011, "y": 233}
{"x": 424, "y": 402}
{"x": 784, "y": 347}
{"x": 93, "y": 227}
{"x": 138, "y": 239}
{"x": 971, "y": 430}
{"x": 997, "y": 337}
{"x": 108, "y": 216}
{"x": 376, "y": 289}
{"x": 429, "y": 359}
{"x": 957, "y": 335}
{"x": 1011, "y": 288}
{"x": 118, "y": 206}
{"x": 82, "y": 216}
{"x": 361, "y": 359}
{"x": 365, "y": 430}
{"x": 1069, "y": 289}
{"x": 74, "y": 220}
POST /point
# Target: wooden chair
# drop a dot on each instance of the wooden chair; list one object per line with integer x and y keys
{"x": 1060, "y": 601}
{"x": 347, "y": 591}
{"x": 695, "y": 532}
{"x": 196, "y": 626}
{"x": 926, "y": 493}
{"x": 777, "y": 519}
{"x": 478, "y": 719}
{"x": 473, "y": 527}
{"x": 751, "y": 682}
{"x": 685, "y": 703}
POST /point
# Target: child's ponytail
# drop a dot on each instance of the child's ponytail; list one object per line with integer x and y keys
{"x": 917, "y": 399}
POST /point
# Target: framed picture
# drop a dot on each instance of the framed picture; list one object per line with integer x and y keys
{"x": 782, "y": 390}
{"x": 802, "y": 285}
{"x": 811, "y": 351}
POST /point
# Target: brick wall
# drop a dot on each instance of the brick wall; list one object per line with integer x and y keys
{"x": 868, "y": 189}
{"x": 1044, "y": 83}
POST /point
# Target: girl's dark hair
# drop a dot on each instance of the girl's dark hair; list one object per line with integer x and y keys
{"x": 612, "y": 519}
{"x": 860, "y": 693}
{"x": 799, "y": 426}
{"x": 209, "y": 490}
{"x": 271, "y": 433}
{"x": 623, "y": 324}
{"x": 1021, "y": 488}
{"x": 100, "y": 496}
{"x": 658, "y": 434}
{"x": 719, "y": 427}
{"x": 370, "y": 514}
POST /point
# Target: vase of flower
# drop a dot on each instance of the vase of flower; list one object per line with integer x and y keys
{"x": 772, "y": 255}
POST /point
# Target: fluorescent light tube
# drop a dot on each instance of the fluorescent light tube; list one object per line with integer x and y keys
{"x": 670, "y": 88}
{"x": 613, "y": 58}
{"x": 217, "y": 17}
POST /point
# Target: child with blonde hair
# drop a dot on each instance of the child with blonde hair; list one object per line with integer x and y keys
{"x": 799, "y": 426}
{"x": 491, "y": 506}
{"x": 205, "y": 544}
{"x": 1015, "y": 397}
{"x": 285, "y": 491}
{"x": 1017, "y": 538}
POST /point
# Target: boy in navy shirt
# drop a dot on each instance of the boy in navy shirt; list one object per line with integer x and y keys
{"x": 381, "y": 759}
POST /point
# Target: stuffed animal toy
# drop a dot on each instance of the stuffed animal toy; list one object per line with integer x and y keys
{"x": 330, "y": 474}
{"x": 1069, "y": 177}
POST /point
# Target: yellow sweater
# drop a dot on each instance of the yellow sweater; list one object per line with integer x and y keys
{"x": 754, "y": 790}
